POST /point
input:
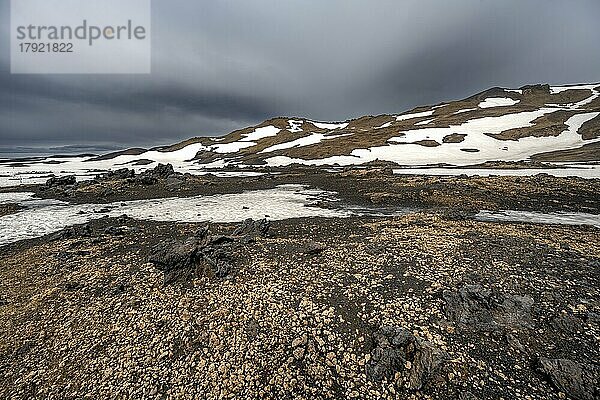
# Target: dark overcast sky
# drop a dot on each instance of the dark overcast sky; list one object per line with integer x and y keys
{"x": 222, "y": 65}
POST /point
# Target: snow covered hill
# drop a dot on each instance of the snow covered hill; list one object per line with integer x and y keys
{"x": 498, "y": 124}
{"x": 538, "y": 122}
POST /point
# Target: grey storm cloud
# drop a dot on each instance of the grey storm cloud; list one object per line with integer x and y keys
{"x": 222, "y": 65}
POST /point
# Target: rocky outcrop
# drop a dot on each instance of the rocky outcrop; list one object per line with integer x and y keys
{"x": 75, "y": 231}
{"x": 253, "y": 228}
{"x": 399, "y": 355}
{"x": 203, "y": 253}
{"x": 474, "y": 307}
{"x": 161, "y": 171}
{"x": 61, "y": 181}
{"x": 579, "y": 381}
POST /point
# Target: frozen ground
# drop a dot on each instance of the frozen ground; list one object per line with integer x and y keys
{"x": 586, "y": 171}
{"x": 41, "y": 217}
{"x": 561, "y": 218}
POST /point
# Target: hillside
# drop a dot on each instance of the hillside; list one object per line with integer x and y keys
{"x": 550, "y": 123}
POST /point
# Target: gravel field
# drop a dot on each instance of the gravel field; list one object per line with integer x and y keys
{"x": 429, "y": 305}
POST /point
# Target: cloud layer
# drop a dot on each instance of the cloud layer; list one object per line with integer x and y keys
{"x": 218, "y": 66}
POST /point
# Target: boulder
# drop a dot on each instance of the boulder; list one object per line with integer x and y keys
{"x": 199, "y": 254}
{"x": 579, "y": 381}
{"x": 474, "y": 307}
{"x": 398, "y": 352}
{"x": 252, "y": 229}
{"x": 61, "y": 181}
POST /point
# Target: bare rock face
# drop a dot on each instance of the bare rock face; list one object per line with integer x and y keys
{"x": 122, "y": 173}
{"x": 473, "y": 307}
{"x": 202, "y": 253}
{"x": 61, "y": 181}
{"x": 416, "y": 363}
{"x": 252, "y": 229}
{"x": 579, "y": 381}
{"x": 161, "y": 171}
{"x": 184, "y": 260}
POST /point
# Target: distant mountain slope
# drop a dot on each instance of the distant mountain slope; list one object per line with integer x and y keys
{"x": 538, "y": 121}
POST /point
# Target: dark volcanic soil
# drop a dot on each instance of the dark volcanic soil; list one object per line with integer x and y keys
{"x": 481, "y": 304}
{"x": 426, "y": 305}
{"x": 6, "y": 209}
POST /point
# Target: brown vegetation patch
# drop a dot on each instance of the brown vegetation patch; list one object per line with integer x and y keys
{"x": 552, "y": 124}
{"x": 585, "y": 153}
{"x": 454, "y": 138}
{"x": 427, "y": 143}
{"x": 590, "y": 129}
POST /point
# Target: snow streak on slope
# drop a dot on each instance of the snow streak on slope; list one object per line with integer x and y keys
{"x": 260, "y": 133}
{"x": 406, "y": 117}
{"x": 497, "y": 102}
{"x": 560, "y": 89}
{"x": 330, "y": 126}
{"x": 303, "y": 141}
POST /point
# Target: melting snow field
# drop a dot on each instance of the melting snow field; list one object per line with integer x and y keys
{"x": 561, "y": 218}
{"x": 41, "y": 217}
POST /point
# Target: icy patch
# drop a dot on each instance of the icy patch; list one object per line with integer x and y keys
{"x": 283, "y": 202}
{"x": 514, "y": 91}
{"x": 330, "y": 126}
{"x": 260, "y": 133}
{"x": 232, "y": 174}
{"x": 533, "y": 217}
{"x": 10, "y": 198}
{"x": 497, "y": 102}
{"x": 414, "y": 115}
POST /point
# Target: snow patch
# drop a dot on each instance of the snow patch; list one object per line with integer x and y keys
{"x": 232, "y": 147}
{"x": 295, "y": 126}
{"x": 497, "y": 102}
{"x": 329, "y": 125}
{"x": 428, "y": 121}
{"x": 300, "y": 142}
{"x": 585, "y": 172}
{"x": 260, "y": 133}
{"x": 466, "y": 110}
{"x": 560, "y": 89}
{"x": 386, "y": 125}
{"x": 414, "y": 115}
{"x": 11, "y": 198}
